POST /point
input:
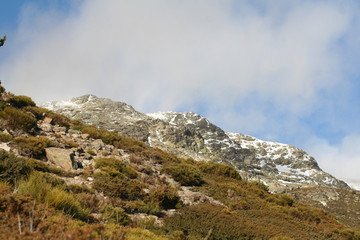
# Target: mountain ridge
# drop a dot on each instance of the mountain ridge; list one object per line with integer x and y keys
{"x": 280, "y": 166}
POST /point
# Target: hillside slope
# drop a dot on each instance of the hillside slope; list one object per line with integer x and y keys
{"x": 62, "y": 179}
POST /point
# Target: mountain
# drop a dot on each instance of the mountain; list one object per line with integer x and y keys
{"x": 63, "y": 179}
{"x": 280, "y": 166}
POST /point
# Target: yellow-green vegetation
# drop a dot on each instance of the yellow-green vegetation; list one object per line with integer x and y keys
{"x": 33, "y": 147}
{"x": 18, "y": 119}
{"x": 219, "y": 169}
{"x": 54, "y": 195}
{"x": 112, "y": 214}
{"x": 185, "y": 174}
{"x": 5, "y": 137}
{"x": 21, "y": 101}
{"x": 117, "y": 179}
{"x": 12, "y": 168}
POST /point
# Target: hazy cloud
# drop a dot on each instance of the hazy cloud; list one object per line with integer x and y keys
{"x": 342, "y": 160}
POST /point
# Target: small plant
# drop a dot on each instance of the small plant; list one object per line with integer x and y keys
{"x": 21, "y": 101}
{"x": 18, "y": 120}
{"x": 91, "y": 152}
{"x": 219, "y": 169}
{"x": 166, "y": 197}
{"x": 186, "y": 174}
{"x": 4, "y": 137}
{"x": 115, "y": 167}
{"x": 39, "y": 188}
{"x": 13, "y": 168}
{"x": 116, "y": 215}
{"x": 33, "y": 147}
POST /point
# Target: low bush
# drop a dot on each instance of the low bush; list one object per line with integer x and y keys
{"x": 116, "y": 215}
{"x": 200, "y": 220}
{"x": 52, "y": 194}
{"x": 33, "y": 147}
{"x": 260, "y": 185}
{"x": 122, "y": 187}
{"x": 115, "y": 167}
{"x": 4, "y": 137}
{"x": 18, "y": 120}
{"x": 21, "y": 101}
{"x": 13, "y": 168}
{"x": 219, "y": 169}
{"x": 138, "y": 233}
{"x": 166, "y": 197}
{"x": 185, "y": 174}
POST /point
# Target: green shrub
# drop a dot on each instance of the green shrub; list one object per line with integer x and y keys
{"x": 199, "y": 220}
{"x": 115, "y": 167}
{"x": 91, "y": 152}
{"x": 219, "y": 169}
{"x": 116, "y": 215}
{"x": 39, "y": 188}
{"x": 21, "y": 101}
{"x": 13, "y": 168}
{"x": 36, "y": 186}
{"x": 4, "y": 137}
{"x": 166, "y": 197}
{"x": 260, "y": 185}
{"x": 185, "y": 174}
{"x": 67, "y": 202}
{"x": 122, "y": 187}
{"x": 17, "y": 119}
{"x": 33, "y": 147}
{"x": 3, "y": 105}
{"x": 138, "y": 233}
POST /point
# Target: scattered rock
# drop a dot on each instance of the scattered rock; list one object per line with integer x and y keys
{"x": 63, "y": 158}
{"x": 5, "y": 147}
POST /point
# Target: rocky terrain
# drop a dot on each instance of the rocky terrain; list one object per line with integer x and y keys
{"x": 280, "y": 166}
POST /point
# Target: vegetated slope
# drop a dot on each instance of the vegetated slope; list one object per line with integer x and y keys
{"x": 61, "y": 179}
{"x": 344, "y": 204}
{"x": 280, "y": 166}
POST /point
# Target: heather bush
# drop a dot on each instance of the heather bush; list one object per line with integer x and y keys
{"x": 199, "y": 220}
{"x": 17, "y": 119}
{"x": 52, "y": 193}
{"x": 33, "y": 147}
{"x": 4, "y": 137}
{"x": 260, "y": 185}
{"x": 185, "y": 174}
{"x": 115, "y": 167}
{"x": 68, "y": 203}
{"x": 116, "y": 215}
{"x": 117, "y": 186}
{"x": 21, "y": 101}
{"x": 219, "y": 169}
{"x": 13, "y": 168}
{"x": 165, "y": 196}
{"x": 138, "y": 233}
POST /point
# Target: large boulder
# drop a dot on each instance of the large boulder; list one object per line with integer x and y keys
{"x": 63, "y": 158}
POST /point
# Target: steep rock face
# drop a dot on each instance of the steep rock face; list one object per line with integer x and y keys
{"x": 280, "y": 166}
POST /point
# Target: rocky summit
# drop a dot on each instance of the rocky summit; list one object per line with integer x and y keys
{"x": 279, "y": 166}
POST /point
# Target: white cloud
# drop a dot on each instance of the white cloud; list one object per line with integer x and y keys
{"x": 162, "y": 54}
{"x": 341, "y": 160}
{"x": 169, "y": 55}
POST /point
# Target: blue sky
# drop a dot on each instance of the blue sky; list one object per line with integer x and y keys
{"x": 285, "y": 71}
